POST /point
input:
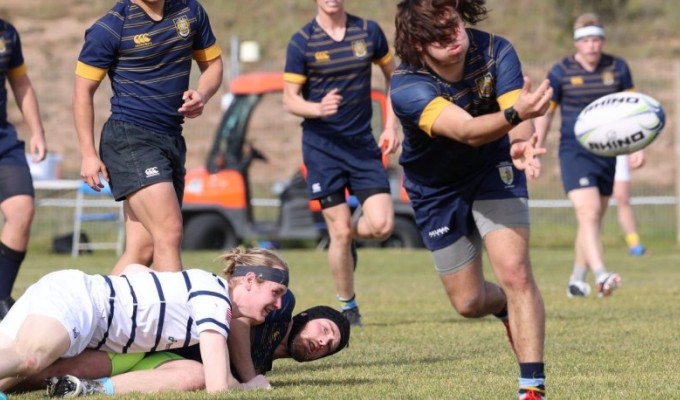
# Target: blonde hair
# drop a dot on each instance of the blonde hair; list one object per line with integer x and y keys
{"x": 587, "y": 19}
{"x": 250, "y": 257}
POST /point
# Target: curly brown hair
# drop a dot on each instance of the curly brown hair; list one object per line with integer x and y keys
{"x": 422, "y": 22}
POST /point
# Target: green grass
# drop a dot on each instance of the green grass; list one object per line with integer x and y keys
{"x": 414, "y": 346}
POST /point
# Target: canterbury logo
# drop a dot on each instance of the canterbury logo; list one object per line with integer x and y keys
{"x": 142, "y": 39}
{"x": 153, "y": 171}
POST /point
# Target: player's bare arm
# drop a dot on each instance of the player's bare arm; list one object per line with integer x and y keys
{"x": 28, "y": 104}
{"x": 209, "y": 82}
{"x": 83, "y": 115}
{"x": 294, "y": 103}
{"x": 456, "y": 123}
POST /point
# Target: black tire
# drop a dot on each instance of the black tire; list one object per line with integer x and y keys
{"x": 208, "y": 232}
{"x": 405, "y": 235}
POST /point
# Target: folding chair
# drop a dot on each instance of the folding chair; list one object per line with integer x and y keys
{"x": 87, "y": 197}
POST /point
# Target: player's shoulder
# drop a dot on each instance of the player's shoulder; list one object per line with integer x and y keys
{"x": 6, "y": 26}
{"x": 363, "y": 23}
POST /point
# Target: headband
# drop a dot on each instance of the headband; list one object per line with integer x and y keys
{"x": 272, "y": 274}
{"x": 591, "y": 30}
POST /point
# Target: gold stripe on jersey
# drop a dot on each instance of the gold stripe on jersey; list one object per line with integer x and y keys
{"x": 294, "y": 78}
{"x": 508, "y": 99}
{"x": 387, "y": 58}
{"x": 208, "y": 54}
{"x": 89, "y": 72}
{"x": 17, "y": 71}
{"x": 431, "y": 113}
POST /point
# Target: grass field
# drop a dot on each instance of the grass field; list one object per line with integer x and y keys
{"x": 413, "y": 345}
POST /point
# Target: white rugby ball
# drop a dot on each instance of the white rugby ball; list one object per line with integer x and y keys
{"x": 619, "y": 123}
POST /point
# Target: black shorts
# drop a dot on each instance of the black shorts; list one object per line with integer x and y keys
{"x": 15, "y": 175}
{"x": 137, "y": 157}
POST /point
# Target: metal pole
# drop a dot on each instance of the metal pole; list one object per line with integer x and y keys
{"x": 234, "y": 62}
{"x": 676, "y": 100}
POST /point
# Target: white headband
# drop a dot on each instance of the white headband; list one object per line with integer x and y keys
{"x": 592, "y": 30}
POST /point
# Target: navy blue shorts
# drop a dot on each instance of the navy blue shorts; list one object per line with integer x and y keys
{"x": 136, "y": 157}
{"x": 353, "y": 163}
{"x": 15, "y": 174}
{"x": 444, "y": 215}
{"x": 581, "y": 169}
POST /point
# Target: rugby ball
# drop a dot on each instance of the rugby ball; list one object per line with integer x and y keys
{"x": 619, "y": 123}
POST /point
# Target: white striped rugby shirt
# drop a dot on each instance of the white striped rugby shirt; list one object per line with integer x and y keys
{"x": 156, "y": 311}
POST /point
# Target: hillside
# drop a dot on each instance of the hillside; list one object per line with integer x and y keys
{"x": 52, "y": 33}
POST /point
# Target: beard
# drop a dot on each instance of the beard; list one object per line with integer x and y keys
{"x": 297, "y": 349}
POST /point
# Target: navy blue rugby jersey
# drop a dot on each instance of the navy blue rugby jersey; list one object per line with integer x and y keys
{"x": 11, "y": 63}
{"x": 492, "y": 81}
{"x": 574, "y": 88}
{"x": 321, "y": 64}
{"x": 147, "y": 61}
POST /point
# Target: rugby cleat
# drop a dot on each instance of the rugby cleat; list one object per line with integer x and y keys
{"x": 578, "y": 289}
{"x": 607, "y": 284}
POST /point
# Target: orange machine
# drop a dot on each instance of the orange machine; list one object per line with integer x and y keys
{"x": 218, "y": 210}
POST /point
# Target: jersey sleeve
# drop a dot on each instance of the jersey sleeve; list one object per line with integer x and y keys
{"x": 16, "y": 66}
{"x": 509, "y": 76}
{"x": 205, "y": 46}
{"x": 555, "y": 77}
{"x": 211, "y": 309}
{"x": 416, "y": 102}
{"x": 382, "y": 54}
{"x": 102, "y": 42}
{"x": 296, "y": 66}
{"x": 626, "y": 77}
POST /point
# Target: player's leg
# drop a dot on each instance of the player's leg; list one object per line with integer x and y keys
{"x": 89, "y": 364}
{"x": 138, "y": 242}
{"x": 157, "y": 209}
{"x": 460, "y": 269}
{"x": 624, "y": 209}
{"x": 590, "y": 208}
{"x": 17, "y": 207}
{"x": 147, "y": 171}
{"x": 39, "y": 341}
{"x": 340, "y": 260}
{"x": 377, "y": 218}
{"x": 505, "y": 226}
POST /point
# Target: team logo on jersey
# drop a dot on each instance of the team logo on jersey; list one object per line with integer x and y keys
{"x": 506, "y": 173}
{"x": 322, "y": 56}
{"x": 316, "y": 187}
{"x": 142, "y": 39}
{"x": 576, "y": 80}
{"x": 485, "y": 85}
{"x": 359, "y": 48}
{"x": 183, "y": 26}
{"x": 3, "y": 46}
{"x": 608, "y": 78}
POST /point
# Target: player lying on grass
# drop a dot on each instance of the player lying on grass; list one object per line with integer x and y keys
{"x": 67, "y": 312}
{"x": 310, "y": 335}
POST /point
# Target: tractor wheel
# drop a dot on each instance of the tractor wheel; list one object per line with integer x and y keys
{"x": 208, "y": 232}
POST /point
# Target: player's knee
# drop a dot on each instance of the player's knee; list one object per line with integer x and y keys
{"x": 515, "y": 275}
{"x": 29, "y": 364}
{"x": 469, "y": 307}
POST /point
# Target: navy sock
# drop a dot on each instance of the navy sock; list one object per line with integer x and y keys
{"x": 10, "y": 261}
{"x": 532, "y": 375}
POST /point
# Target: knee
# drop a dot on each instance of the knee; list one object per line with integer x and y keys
{"x": 515, "y": 276}
{"x": 469, "y": 307}
{"x": 380, "y": 228}
{"x": 29, "y": 364}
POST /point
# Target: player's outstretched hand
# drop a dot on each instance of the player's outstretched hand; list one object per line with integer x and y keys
{"x": 533, "y": 104}
{"x": 525, "y": 156}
